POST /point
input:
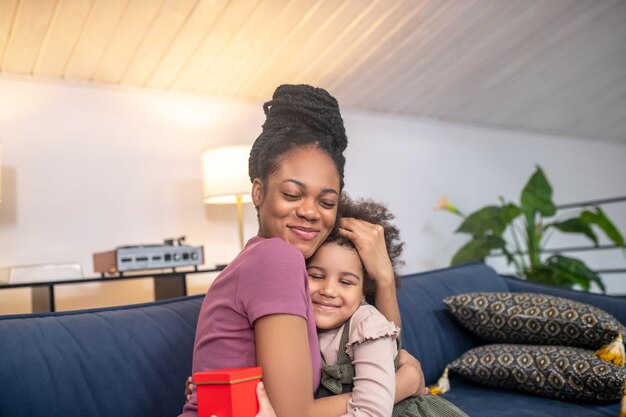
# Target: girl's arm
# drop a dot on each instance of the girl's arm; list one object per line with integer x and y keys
{"x": 374, "y": 390}
{"x": 282, "y": 350}
{"x": 369, "y": 240}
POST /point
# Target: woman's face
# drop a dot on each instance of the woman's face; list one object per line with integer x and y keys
{"x": 298, "y": 202}
{"x": 335, "y": 285}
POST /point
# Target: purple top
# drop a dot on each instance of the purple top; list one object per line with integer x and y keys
{"x": 268, "y": 277}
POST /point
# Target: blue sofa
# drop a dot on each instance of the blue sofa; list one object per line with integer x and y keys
{"x": 133, "y": 361}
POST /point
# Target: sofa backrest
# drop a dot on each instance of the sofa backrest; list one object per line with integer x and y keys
{"x": 126, "y": 361}
{"x": 133, "y": 361}
{"x": 429, "y": 332}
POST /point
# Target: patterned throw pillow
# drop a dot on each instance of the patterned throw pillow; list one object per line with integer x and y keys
{"x": 561, "y": 372}
{"x": 534, "y": 319}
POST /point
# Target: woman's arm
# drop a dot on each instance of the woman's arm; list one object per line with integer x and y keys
{"x": 283, "y": 352}
{"x": 281, "y": 345}
{"x": 409, "y": 377}
{"x": 387, "y": 301}
{"x": 369, "y": 240}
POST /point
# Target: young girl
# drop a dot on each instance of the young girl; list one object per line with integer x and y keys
{"x": 358, "y": 344}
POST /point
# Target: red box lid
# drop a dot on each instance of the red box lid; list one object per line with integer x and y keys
{"x": 227, "y": 376}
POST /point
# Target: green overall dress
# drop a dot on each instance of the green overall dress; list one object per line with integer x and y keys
{"x": 337, "y": 379}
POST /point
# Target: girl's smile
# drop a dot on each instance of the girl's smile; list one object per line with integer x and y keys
{"x": 335, "y": 284}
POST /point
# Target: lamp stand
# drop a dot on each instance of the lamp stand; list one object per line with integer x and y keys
{"x": 240, "y": 219}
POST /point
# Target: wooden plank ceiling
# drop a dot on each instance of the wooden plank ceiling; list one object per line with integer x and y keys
{"x": 553, "y": 66}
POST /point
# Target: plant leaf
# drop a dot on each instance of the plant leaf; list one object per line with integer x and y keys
{"x": 576, "y": 225}
{"x": 545, "y": 275}
{"x": 510, "y": 259}
{"x": 537, "y": 195}
{"x": 575, "y": 271}
{"x": 603, "y": 222}
{"x": 477, "y": 249}
{"x": 492, "y": 219}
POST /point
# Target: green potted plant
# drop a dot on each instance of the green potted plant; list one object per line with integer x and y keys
{"x": 521, "y": 231}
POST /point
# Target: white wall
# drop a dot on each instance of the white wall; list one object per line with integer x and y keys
{"x": 85, "y": 169}
{"x": 410, "y": 163}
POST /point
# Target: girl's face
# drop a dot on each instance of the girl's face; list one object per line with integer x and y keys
{"x": 298, "y": 202}
{"x": 335, "y": 285}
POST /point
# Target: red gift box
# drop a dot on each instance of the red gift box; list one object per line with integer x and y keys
{"x": 228, "y": 392}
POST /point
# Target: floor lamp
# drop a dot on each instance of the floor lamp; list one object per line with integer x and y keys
{"x": 225, "y": 179}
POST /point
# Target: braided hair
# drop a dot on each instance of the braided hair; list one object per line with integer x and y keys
{"x": 298, "y": 116}
{"x": 376, "y": 213}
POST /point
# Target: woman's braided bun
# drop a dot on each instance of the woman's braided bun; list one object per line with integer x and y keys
{"x": 298, "y": 116}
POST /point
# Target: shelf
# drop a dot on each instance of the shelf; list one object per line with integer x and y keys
{"x": 169, "y": 284}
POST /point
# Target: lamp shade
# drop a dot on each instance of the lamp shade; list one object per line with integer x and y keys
{"x": 225, "y": 175}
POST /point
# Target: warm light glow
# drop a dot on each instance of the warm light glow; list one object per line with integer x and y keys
{"x": 225, "y": 175}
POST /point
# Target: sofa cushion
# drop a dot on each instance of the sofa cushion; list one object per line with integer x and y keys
{"x": 481, "y": 401}
{"x": 531, "y": 318}
{"x": 562, "y": 372}
{"x": 429, "y": 332}
{"x": 125, "y": 361}
{"x": 615, "y": 306}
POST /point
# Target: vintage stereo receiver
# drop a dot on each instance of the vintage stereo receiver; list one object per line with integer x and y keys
{"x": 138, "y": 257}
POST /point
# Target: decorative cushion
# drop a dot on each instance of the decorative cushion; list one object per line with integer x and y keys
{"x": 530, "y": 318}
{"x": 561, "y": 372}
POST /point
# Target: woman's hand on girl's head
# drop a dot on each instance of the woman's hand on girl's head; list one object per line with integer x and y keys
{"x": 369, "y": 240}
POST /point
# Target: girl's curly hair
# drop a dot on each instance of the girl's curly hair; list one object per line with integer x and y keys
{"x": 376, "y": 213}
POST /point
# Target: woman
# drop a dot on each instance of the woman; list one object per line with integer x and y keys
{"x": 257, "y": 312}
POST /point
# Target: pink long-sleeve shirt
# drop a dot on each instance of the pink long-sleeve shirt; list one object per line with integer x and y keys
{"x": 372, "y": 348}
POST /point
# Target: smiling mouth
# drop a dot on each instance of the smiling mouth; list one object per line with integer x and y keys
{"x": 325, "y": 307}
{"x": 305, "y": 233}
